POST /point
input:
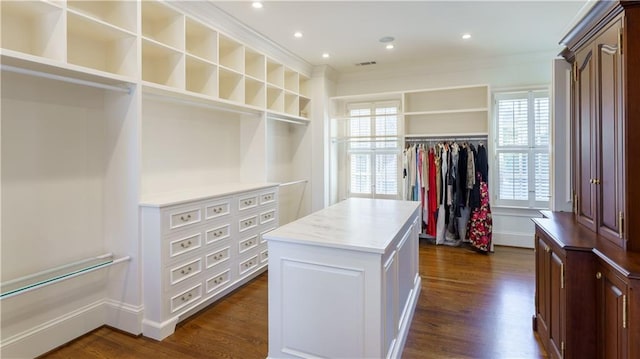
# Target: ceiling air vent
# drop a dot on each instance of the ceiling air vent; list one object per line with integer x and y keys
{"x": 366, "y": 63}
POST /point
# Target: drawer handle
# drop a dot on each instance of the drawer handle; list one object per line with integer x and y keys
{"x": 248, "y": 202}
{"x": 218, "y": 233}
{"x": 188, "y": 270}
{"x": 218, "y": 256}
{"x": 218, "y": 280}
{"x": 184, "y": 219}
{"x": 186, "y": 298}
{"x": 598, "y": 275}
{"x": 185, "y": 245}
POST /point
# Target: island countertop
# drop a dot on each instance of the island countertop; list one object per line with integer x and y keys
{"x": 357, "y": 223}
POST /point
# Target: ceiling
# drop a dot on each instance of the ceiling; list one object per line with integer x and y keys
{"x": 424, "y": 31}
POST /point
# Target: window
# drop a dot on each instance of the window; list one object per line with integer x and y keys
{"x": 373, "y": 150}
{"x": 522, "y": 149}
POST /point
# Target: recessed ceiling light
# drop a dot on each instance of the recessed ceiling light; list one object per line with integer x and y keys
{"x": 297, "y": 34}
{"x": 386, "y": 39}
{"x": 390, "y": 46}
{"x": 257, "y": 5}
{"x": 466, "y": 36}
{"x": 325, "y": 55}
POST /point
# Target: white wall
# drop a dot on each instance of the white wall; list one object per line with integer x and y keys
{"x": 511, "y": 226}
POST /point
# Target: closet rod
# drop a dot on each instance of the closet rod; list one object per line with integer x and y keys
{"x": 295, "y": 122}
{"x": 72, "y": 80}
{"x": 293, "y": 182}
{"x": 446, "y": 138}
{"x": 103, "y": 262}
{"x": 210, "y": 106}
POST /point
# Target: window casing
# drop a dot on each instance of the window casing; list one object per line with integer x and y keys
{"x": 373, "y": 150}
{"x": 522, "y": 149}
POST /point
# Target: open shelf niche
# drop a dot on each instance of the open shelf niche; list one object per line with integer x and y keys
{"x": 119, "y": 13}
{"x": 162, "y": 65}
{"x": 163, "y": 24}
{"x": 201, "y": 41}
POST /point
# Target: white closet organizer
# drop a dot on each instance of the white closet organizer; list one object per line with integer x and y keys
{"x": 137, "y": 99}
{"x": 198, "y": 246}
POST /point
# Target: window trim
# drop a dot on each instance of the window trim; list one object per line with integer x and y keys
{"x": 530, "y": 149}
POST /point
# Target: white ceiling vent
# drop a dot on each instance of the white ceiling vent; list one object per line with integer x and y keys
{"x": 366, "y": 63}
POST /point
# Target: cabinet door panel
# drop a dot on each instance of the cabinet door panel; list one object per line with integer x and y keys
{"x": 556, "y": 306}
{"x": 611, "y": 319}
{"x": 610, "y": 188}
{"x": 542, "y": 288}
{"x": 586, "y": 164}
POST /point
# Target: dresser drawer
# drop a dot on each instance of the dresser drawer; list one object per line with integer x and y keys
{"x": 248, "y": 202}
{"x": 217, "y": 209}
{"x": 218, "y": 281}
{"x": 264, "y": 256}
{"x": 184, "y": 271}
{"x": 268, "y": 216}
{"x": 248, "y": 265}
{"x": 267, "y": 197}
{"x": 186, "y": 244}
{"x": 248, "y": 223}
{"x": 218, "y": 233}
{"x": 218, "y": 256}
{"x": 262, "y": 234}
{"x": 184, "y": 217}
{"x": 186, "y": 298}
{"x": 247, "y": 244}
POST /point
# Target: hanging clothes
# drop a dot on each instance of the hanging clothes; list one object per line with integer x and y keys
{"x": 481, "y": 221}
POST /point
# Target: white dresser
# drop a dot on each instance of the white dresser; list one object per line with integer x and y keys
{"x": 344, "y": 281}
{"x": 199, "y": 245}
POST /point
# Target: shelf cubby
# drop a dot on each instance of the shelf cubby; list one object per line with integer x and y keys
{"x": 304, "y": 87}
{"x": 291, "y": 104}
{"x": 230, "y": 86}
{"x": 291, "y": 81}
{"x": 100, "y": 46}
{"x": 231, "y": 53}
{"x": 449, "y": 99}
{"x": 446, "y": 123}
{"x": 201, "y": 41}
{"x": 275, "y": 99}
{"x": 162, "y": 65}
{"x": 201, "y": 77}
{"x": 304, "y": 106}
{"x": 163, "y": 24}
{"x": 119, "y": 13}
{"x": 33, "y": 27}
{"x": 275, "y": 74}
{"x": 254, "y": 93}
{"x": 254, "y": 65}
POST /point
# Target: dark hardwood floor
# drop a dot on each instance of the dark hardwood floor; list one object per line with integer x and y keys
{"x": 471, "y": 306}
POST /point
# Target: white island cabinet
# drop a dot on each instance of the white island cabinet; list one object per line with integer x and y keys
{"x": 343, "y": 281}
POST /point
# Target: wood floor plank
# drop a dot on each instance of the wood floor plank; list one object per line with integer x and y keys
{"x": 471, "y": 306}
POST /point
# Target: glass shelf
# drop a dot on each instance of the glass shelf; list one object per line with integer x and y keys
{"x": 53, "y": 275}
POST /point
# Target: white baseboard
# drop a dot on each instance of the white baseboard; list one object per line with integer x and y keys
{"x": 124, "y": 316}
{"x": 50, "y": 335}
{"x": 513, "y": 239}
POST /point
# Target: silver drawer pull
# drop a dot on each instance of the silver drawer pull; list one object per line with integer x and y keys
{"x": 184, "y": 219}
{"x": 185, "y": 245}
{"x": 188, "y": 270}
{"x": 185, "y": 298}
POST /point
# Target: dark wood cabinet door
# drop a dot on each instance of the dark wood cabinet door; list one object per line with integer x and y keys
{"x": 542, "y": 287}
{"x": 610, "y": 177}
{"x": 585, "y": 138}
{"x": 612, "y": 315}
{"x": 556, "y": 318}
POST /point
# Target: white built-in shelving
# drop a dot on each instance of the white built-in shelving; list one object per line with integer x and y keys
{"x": 140, "y": 98}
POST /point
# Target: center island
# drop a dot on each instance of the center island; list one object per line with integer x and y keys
{"x": 344, "y": 281}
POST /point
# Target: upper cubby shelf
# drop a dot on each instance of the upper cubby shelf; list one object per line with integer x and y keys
{"x": 151, "y": 43}
{"x": 34, "y": 27}
{"x": 163, "y": 24}
{"x": 122, "y": 14}
{"x": 447, "y": 100}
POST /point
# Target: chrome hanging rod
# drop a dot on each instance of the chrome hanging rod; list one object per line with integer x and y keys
{"x": 72, "y": 80}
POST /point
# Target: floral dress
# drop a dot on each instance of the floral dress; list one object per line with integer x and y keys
{"x": 481, "y": 223}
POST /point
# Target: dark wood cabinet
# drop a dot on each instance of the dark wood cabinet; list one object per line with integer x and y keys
{"x": 563, "y": 276}
{"x": 599, "y": 140}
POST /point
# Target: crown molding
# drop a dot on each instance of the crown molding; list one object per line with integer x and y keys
{"x": 208, "y": 13}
